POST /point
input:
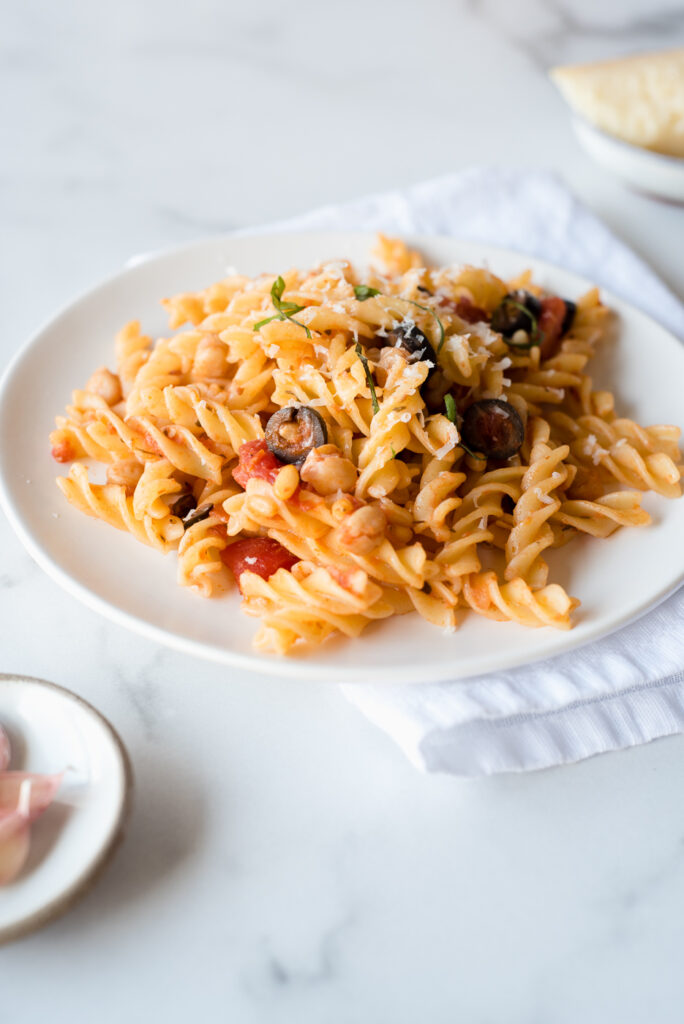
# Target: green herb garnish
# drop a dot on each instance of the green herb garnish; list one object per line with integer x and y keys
{"x": 364, "y": 291}
{"x": 435, "y": 318}
{"x": 394, "y": 454}
{"x": 450, "y": 406}
{"x": 535, "y": 336}
{"x": 469, "y": 451}
{"x": 285, "y": 309}
{"x": 369, "y": 377}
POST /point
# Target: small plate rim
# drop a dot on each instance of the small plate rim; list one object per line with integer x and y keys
{"x": 63, "y": 902}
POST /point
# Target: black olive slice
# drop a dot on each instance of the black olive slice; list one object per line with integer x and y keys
{"x": 292, "y": 432}
{"x": 184, "y": 508}
{"x": 411, "y": 340}
{"x": 183, "y": 505}
{"x": 570, "y": 310}
{"x": 517, "y": 311}
{"x": 493, "y": 427}
{"x": 197, "y": 515}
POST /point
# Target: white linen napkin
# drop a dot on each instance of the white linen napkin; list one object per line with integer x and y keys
{"x": 623, "y": 690}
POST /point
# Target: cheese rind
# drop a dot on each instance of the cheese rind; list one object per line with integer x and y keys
{"x": 639, "y": 99}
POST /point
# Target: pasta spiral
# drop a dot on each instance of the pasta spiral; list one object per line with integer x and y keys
{"x": 347, "y": 447}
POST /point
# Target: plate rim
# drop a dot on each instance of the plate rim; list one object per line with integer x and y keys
{"x": 306, "y": 667}
{"x": 63, "y": 902}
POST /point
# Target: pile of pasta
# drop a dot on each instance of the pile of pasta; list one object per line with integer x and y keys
{"x": 393, "y": 515}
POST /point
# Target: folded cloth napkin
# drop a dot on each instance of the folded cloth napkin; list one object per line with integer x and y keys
{"x": 629, "y": 687}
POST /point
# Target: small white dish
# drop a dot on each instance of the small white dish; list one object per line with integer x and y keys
{"x": 655, "y": 173}
{"x": 616, "y": 580}
{"x": 51, "y": 729}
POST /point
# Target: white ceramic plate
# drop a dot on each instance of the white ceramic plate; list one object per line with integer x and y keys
{"x": 655, "y": 173}
{"x": 50, "y": 730}
{"x": 616, "y": 579}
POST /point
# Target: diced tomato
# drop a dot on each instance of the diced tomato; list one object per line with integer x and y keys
{"x": 469, "y": 312}
{"x": 62, "y": 451}
{"x": 261, "y": 555}
{"x": 255, "y": 459}
{"x": 551, "y": 321}
{"x": 463, "y": 307}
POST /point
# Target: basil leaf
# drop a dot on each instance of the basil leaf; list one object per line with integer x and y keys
{"x": 285, "y": 309}
{"x": 434, "y": 316}
{"x": 277, "y": 290}
{"x": 364, "y": 291}
{"x": 469, "y": 451}
{"x": 262, "y": 323}
{"x": 450, "y": 406}
{"x": 369, "y": 377}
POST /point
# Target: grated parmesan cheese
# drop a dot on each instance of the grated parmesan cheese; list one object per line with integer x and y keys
{"x": 448, "y": 445}
{"x": 545, "y": 499}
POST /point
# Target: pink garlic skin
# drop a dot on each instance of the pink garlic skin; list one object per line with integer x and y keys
{"x": 14, "y": 835}
{"x": 24, "y": 796}
{"x": 14, "y": 844}
{"x": 5, "y": 749}
{"x": 42, "y": 791}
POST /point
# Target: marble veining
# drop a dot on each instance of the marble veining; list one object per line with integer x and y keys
{"x": 284, "y": 863}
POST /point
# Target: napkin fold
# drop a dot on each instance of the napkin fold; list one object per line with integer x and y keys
{"x": 621, "y": 691}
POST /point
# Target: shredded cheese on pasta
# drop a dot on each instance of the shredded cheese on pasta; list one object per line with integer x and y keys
{"x": 394, "y": 512}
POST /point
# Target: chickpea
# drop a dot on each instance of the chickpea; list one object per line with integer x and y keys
{"x": 328, "y": 471}
{"x": 105, "y": 384}
{"x": 210, "y": 357}
{"x": 125, "y": 472}
{"x": 286, "y": 482}
{"x": 361, "y": 532}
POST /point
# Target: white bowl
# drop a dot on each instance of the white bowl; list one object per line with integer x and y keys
{"x": 643, "y": 169}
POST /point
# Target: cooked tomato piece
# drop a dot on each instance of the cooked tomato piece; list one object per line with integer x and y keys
{"x": 261, "y": 555}
{"x": 255, "y": 459}
{"x": 467, "y": 310}
{"x": 550, "y": 326}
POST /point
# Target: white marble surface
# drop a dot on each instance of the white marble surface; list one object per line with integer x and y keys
{"x": 284, "y": 863}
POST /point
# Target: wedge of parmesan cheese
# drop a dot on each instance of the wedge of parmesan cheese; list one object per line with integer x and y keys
{"x": 639, "y": 99}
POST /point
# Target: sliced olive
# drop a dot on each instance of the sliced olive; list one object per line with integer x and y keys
{"x": 492, "y": 427}
{"x": 411, "y": 340}
{"x": 292, "y": 432}
{"x": 184, "y": 505}
{"x": 507, "y": 504}
{"x": 570, "y": 310}
{"x": 517, "y": 311}
{"x": 184, "y": 508}
{"x": 198, "y": 515}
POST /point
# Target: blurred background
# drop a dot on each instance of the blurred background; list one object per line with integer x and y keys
{"x": 143, "y": 124}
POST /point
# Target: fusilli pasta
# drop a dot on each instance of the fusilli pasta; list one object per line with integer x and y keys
{"x": 348, "y": 447}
